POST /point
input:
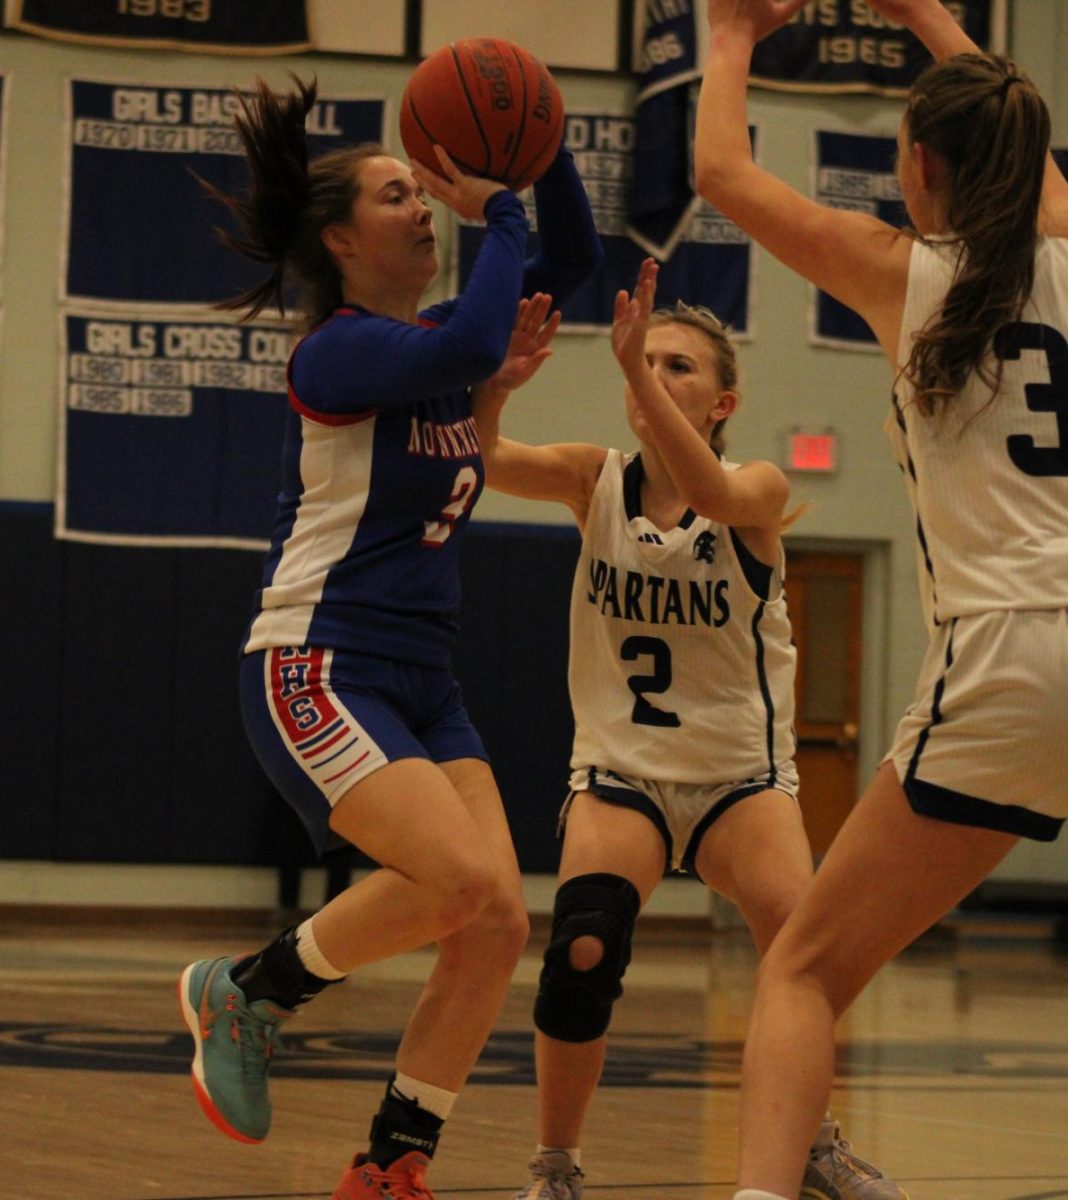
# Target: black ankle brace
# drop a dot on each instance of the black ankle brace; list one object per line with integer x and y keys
{"x": 277, "y": 973}
{"x": 400, "y": 1126}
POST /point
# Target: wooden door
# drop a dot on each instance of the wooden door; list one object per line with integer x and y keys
{"x": 825, "y": 594}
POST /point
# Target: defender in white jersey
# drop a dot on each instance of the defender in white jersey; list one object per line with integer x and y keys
{"x": 681, "y": 679}
{"x": 971, "y": 308}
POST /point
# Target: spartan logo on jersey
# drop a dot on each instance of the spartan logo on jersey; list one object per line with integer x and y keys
{"x": 704, "y": 546}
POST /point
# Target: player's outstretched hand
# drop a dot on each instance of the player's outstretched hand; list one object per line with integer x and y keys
{"x": 465, "y": 194}
{"x": 528, "y": 346}
{"x": 630, "y": 319}
{"x": 760, "y": 16}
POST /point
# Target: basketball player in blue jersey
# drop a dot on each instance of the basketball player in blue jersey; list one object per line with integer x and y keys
{"x": 681, "y": 679}
{"x": 971, "y": 308}
{"x": 345, "y": 680}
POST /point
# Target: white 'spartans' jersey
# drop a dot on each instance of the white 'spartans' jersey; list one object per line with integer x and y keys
{"x": 678, "y": 670}
{"x": 988, "y": 477}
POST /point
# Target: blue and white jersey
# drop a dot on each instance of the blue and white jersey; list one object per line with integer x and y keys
{"x": 988, "y": 475}
{"x": 381, "y": 465}
{"x": 682, "y": 665}
{"x": 364, "y": 553}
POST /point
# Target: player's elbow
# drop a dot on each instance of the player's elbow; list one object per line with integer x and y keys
{"x": 712, "y": 177}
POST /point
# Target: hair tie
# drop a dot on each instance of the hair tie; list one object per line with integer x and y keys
{"x": 1007, "y": 83}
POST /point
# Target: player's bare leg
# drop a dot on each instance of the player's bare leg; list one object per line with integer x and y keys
{"x": 601, "y": 839}
{"x": 888, "y": 876}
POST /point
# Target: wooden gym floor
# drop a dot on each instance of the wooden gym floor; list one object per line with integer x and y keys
{"x": 952, "y": 1071}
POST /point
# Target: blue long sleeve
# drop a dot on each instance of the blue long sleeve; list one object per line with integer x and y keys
{"x": 570, "y": 249}
{"x": 569, "y": 246}
{"x": 357, "y": 362}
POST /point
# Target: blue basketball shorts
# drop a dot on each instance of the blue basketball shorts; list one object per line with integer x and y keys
{"x": 321, "y": 720}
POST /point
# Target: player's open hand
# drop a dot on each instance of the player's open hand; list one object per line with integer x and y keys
{"x": 760, "y": 17}
{"x": 630, "y": 319}
{"x": 528, "y": 346}
{"x": 465, "y": 194}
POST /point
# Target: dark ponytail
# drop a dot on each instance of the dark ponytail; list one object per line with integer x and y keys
{"x": 991, "y": 128}
{"x": 289, "y": 202}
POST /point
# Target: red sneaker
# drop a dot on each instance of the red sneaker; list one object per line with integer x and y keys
{"x": 401, "y": 1180}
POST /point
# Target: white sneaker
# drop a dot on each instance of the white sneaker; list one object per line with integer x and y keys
{"x": 834, "y": 1172}
{"x": 553, "y": 1176}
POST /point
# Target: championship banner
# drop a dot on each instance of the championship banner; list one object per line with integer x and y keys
{"x": 846, "y": 46}
{"x": 667, "y": 60}
{"x": 853, "y": 171}
{"x": 214, "y": 26}
{"x": 139, "y": 227}
{"x": 170, "y": 430}
{"x": 711, "y": 264}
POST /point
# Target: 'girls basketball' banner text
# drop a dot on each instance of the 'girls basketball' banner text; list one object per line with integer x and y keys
{"x": 230, "y": 26}
{"x": 853, "y": 171}
{"x": 170, "y": 430}
{"x": 845, "y": 45}
{"x": 711, "y": 262}
{"x": 139, "y": 225}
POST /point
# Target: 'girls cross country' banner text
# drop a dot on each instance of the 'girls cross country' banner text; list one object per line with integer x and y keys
{"x": 139, "y": 225}
{"x": 710, "y": 265}
{"x": 170, "y": 430}
{"x": 228, "y": 26}
{"x": 853, "y": 171}
{"x": 846, "y": 46}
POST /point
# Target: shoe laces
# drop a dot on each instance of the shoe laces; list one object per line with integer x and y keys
{"x": 405, "y": 1183}
{"x": 557, "y": 1184}
{"x": 844, "y": 1161}
{"x": 258, "y": 1037}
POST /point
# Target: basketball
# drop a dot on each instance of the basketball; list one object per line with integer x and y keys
{"x": 491, "y": 104}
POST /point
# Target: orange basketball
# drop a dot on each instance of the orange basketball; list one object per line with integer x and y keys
{"x": 492, "y": 105}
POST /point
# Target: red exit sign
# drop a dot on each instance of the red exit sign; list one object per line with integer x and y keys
{"x": 811, "y": 451}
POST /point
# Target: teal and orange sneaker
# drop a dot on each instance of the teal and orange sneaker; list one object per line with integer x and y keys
{"x": 401, "y": 1180}
{"x": 234, "y": 1044}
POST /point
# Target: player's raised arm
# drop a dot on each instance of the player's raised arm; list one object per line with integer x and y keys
{"x": 752, "y": 496}
{"x": 858, "y": 259}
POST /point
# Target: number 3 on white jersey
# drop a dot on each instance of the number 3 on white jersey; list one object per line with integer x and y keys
{"x": 463, "y": 493}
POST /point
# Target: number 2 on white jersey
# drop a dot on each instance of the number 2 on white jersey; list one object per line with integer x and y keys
{"x": 438, "y": 532}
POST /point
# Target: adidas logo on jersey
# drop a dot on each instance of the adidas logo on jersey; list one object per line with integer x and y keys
{"x": 654, "y": 539}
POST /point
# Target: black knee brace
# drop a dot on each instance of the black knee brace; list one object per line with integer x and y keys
{"x": 574, "y": 1005}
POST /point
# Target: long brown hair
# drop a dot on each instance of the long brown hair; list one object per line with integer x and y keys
{"x": 289, "y": 202}
{"x": 991, "y": 128}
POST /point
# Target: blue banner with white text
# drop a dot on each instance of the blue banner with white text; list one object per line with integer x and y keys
{"x": 710, "y": 264}
{"x": 223, "y": 26}
{"x": 171, "y": 430}
{"x": 140, "y": 229}
{"x": 857, "y": 172}
{"x": 846, "y": 46}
